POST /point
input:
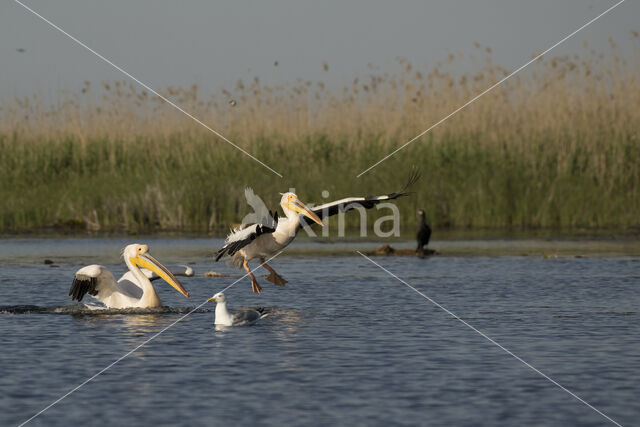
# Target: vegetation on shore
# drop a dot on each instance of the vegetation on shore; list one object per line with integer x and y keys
{"x": 557, "y": 146}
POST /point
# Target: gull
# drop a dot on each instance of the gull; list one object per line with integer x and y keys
{"x": 244, "y": 317}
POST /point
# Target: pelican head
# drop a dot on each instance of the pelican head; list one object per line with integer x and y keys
{"x": 139, "y": 256}
{"x": 219, "y": 298}
{"x": 291, "y": 204}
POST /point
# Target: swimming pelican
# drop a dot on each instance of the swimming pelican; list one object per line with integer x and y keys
{"x": 238, "y": 318}
{"x": 267, "y": 239}
{"x": 133, "y": 291}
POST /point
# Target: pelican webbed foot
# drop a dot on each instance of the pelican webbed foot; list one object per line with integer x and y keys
{"x": 273, "y": 277}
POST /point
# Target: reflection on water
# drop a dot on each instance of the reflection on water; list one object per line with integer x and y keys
{"x": 344, "y": 343}
{"x": 142, "y": 324}
{"x": 290, "y": 322}
{"x": 97, "y": 312}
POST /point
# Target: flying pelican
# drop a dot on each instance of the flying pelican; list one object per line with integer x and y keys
{"x": 267, "y": 239}
{"x": 132, "y": 291}
{"x": 239, "y": 318}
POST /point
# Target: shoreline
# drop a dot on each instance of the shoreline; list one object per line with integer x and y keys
{"x": 180, "y": 250}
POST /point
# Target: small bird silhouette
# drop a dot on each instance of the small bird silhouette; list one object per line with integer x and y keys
{"x": 423, "y": 233}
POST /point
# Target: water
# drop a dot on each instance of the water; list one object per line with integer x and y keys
{"x": 345, "y": 343}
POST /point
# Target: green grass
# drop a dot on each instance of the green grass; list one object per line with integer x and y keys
{"x": 117, "y": 186}
{"x": 557, "y": 146}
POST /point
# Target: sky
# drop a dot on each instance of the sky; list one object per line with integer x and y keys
{"x": 213, "y": 44}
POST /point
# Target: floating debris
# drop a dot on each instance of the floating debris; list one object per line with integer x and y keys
{"x": 215, "y": 274}
{"x": 387, "y": 250}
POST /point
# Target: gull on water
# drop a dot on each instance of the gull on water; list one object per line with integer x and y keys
{"x": 223, "y": 317}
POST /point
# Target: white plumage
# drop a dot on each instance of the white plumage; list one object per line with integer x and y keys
{"x": 223, "y": 317}
{"x": 134, "y": 289}
{"x": 269, "y": 235}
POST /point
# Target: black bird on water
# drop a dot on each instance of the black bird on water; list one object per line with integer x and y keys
{"x": 423, "y": 233}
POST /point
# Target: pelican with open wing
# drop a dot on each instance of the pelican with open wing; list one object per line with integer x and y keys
{"x": 264, "y": 240}
{"x": 132, "y": 290}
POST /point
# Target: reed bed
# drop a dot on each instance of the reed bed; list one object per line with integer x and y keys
{"x": 555, "y": 147}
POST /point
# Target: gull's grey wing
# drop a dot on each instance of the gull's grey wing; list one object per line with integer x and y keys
{"x": 245, "y": 317}
{"x": 332, "y": 208}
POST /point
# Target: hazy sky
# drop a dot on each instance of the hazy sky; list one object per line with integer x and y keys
{"x": 214, "y": 43}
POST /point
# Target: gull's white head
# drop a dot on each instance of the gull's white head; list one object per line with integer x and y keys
{"x": 138, "y": 255}
{"x": 219, "y": 298}
{"x": 292, "y": 206}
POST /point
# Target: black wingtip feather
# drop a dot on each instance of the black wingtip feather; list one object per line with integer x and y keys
{"x": 81, "y": 286}
{"x": 413, "y": 178}
{"x": 220, "y": 253}
{"x": 232, "y": 247}
{"x": 415, "y": 175}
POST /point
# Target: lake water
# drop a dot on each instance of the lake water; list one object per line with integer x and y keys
{"x": 345, "y": 344}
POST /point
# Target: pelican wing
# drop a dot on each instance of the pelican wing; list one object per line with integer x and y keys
{"x": 239, "y": 238}
{"x": 349, "y": 203}
{"x": 260, "y": 215}
{"x": 94, "y": 280}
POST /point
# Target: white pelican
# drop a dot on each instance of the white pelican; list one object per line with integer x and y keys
{"x": 135, "y": 290}
{"x": 238, "y": 318}
{"x": 265, "y": 240}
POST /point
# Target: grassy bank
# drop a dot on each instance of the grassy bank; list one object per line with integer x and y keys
{"x": 557, "y": 146}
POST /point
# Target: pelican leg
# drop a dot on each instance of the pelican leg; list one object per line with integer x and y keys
{"x": 255, "y": 287}
{"x": 273, "y": 277}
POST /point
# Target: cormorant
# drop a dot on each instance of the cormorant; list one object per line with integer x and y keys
{"x": 423, "y": 233}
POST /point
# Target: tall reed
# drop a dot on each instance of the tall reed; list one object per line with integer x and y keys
{"x": 556, "y": 146}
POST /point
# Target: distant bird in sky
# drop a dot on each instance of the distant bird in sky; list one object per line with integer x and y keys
{"x": 21, "y": 50}
{"x": 223, "y": 317}
{"x": 423, "y": 234}
{"x": 268, "y": 236}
